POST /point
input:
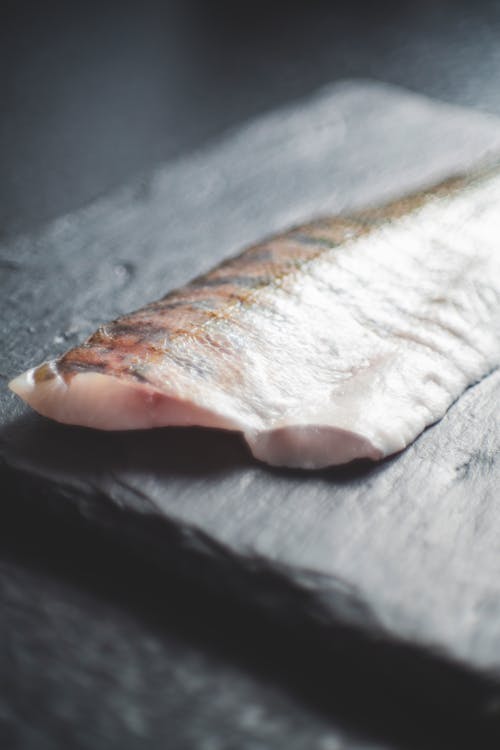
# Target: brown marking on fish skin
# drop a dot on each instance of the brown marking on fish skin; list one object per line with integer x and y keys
{"x": 332, "y": 232}
{"x": 140, "y": 374}
{"x": 73, "y": 365}
{"x": 130, "y": 332}
{"x": 410, "y": 203}
{"x": 44, "y": 372}
{"x": 68, "y": 367}
{"x": 130, "y": 345}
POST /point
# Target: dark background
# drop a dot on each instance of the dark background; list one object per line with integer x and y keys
{"x": 91, "y": 95}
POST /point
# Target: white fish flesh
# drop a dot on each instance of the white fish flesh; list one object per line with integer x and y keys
{"x": 337, "y": 340}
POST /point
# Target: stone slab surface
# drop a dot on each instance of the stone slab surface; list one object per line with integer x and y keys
{"x": 90, "y": 665}
{"x": 404, "y": 553}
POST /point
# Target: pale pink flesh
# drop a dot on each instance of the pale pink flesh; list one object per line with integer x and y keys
{"x": 107, "y": 403}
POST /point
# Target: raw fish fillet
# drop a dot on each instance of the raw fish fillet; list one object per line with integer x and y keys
{"x": 337, "y": 340}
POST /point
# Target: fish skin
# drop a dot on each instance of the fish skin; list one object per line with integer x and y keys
{"x": 336, "y": 340}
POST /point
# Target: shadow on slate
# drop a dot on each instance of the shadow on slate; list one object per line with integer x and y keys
{"x": 387, "y": 575}
{"x": 359, "y": 682}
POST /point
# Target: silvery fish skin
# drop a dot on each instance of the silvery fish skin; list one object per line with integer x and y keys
{"x": 337, "y": 340}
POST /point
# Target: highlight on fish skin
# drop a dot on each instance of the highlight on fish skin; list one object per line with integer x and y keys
{"x": 337, "y": 340}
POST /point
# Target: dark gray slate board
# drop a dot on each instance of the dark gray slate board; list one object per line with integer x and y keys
{"x": 80, "y": 671}
{"x": 405, "y": 552}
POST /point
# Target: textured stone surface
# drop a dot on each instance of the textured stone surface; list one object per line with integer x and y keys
{"x": 79, "y": 670}
{"x": 114, "y": 652}
{"x": 404, "y": 552}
